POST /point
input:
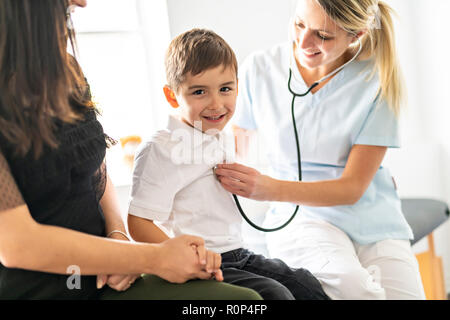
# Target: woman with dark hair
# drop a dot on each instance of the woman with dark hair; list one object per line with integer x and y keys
{"x": 58, "y": 208}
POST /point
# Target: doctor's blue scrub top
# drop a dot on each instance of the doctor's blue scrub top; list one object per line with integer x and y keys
{"x": 344, "y": 113}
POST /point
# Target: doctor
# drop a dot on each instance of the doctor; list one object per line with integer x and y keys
{"x": 350, "y": 231}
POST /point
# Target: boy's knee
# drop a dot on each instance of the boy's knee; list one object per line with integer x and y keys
{"x": 273, "y": 290}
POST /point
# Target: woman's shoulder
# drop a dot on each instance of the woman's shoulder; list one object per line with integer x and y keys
{"x": 275, "y": 57}
{"x": 364, "y": 69}
{"x": 362, "y": 75}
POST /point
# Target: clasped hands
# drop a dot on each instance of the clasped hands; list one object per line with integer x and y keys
{"x": 210, "y": 261}
{"x": 182, "y": 258}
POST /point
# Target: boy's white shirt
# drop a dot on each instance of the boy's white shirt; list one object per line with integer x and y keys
{"x": 174, "y": 185}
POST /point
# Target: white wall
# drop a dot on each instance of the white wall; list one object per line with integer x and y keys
{"x": 422, "y": 167}
{"x": 245, "y": 24}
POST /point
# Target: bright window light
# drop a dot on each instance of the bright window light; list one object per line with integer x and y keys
{"x": 121, "y": 46}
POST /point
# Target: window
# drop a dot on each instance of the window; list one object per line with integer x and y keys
{"x": 121, "y": 46}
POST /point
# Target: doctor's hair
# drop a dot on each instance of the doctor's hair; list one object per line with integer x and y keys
{"x": 194, "y": 52}
{"x": 374, "y": 17}
{"x": 39, "y": 81}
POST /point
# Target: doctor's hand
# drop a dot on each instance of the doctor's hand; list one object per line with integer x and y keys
{"x": 246, "y": 182}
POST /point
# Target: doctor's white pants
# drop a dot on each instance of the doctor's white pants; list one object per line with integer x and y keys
{"x": 384, "y": 270}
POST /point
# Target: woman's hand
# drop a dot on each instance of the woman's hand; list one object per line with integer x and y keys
{"x": 118, "y": 282}
{"x": 246, "y": 182}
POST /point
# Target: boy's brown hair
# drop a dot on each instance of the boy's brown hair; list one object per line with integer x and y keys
{"x": 194, "y": 52}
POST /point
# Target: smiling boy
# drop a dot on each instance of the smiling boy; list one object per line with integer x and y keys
{"x": 171, "y": 198}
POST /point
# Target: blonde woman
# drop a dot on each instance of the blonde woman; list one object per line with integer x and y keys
{"x": 350, "y": 231}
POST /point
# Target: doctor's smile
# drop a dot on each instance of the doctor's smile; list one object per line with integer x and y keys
{"x": 311, "y": 55}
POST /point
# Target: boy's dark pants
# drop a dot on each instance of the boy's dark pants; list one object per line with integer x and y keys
{"x": 271, "y": 278}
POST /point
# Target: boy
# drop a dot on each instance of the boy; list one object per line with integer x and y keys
{"x": 173, "y": 179}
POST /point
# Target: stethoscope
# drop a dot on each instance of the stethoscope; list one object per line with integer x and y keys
{"x": 297, "y": 140}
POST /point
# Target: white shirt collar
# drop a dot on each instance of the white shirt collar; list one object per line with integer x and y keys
{"x": 200, "y": 139}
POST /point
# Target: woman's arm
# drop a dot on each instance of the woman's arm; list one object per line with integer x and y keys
{"x": 146, "y": 231}
{"x": 26, "y": 244}
{"x": 114, "y": 221}
{"x": 111, "y": 209}
{"x": 362, "y": 165}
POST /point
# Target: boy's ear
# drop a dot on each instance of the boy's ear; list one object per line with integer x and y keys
{"x": 170, "y": 97}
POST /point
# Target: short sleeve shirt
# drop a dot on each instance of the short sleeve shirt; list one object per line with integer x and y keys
{"x": 175, "y": 186}
{"x": 347, "y": 111}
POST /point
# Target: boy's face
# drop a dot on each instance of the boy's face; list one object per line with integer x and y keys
{"x": 208, "y": 98}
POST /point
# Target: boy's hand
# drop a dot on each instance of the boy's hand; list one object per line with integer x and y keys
{"x": 211, "y": 262}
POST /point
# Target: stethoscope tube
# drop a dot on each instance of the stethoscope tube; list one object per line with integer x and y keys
{"x": 297, "y": 140}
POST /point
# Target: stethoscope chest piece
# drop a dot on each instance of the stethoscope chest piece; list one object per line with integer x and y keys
{"x": 214, "y": 172}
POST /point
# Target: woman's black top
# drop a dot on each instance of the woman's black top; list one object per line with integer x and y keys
{"x": 61, "y": 188}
